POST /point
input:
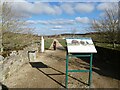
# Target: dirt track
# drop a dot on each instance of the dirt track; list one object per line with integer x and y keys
{"x": 48, "y": 71}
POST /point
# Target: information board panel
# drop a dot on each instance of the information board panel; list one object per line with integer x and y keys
{"x": 80, "y": 45}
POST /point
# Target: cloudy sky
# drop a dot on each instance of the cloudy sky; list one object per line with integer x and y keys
{"x": 60, "y": 17}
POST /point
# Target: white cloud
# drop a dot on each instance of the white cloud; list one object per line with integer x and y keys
{"x": 27, "y": 8}
{"x": 31, "y": 22}
{"x": 84, "y": 7}
{"x": 21, "y": 8}
{"x": 68, "y": 8}
{"x": 42, "y": 22}
{"x": 56, "y": 22}
{"x": 82, "y": 19}
{"x": 57, "y": 27}
{"x": 46, "y": 8}
{"x": 38, "y": 7}
{"x": 59, "y": 22}
{"x": 57, "y": 9}
{"x": 108, "y": 5}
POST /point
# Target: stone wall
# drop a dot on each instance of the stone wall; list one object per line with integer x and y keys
{"x": 0, "y": 39}
{"x": 13, "y": 63}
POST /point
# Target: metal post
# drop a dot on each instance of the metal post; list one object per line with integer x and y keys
{"x": 90, "y": 72}
{"x": 90, "y": 69}
{"x": 66, "y": 79}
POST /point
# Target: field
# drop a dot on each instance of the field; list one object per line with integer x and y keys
{"x": 48, "y": 42}
{"x": 14, "y": 41}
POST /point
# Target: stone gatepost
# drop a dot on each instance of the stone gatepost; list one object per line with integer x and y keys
{"x": 42, "y": 44}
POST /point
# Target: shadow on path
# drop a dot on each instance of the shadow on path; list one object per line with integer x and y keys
{"x": 40, "y": 65}
{"x": 3, "y": 87}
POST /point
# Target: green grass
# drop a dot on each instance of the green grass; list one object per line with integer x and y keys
{"x": 108, "y": 45}
{"x": 15, "y": 41}
{"x": 62, "y": 42}
{"x": 48, "y": 42}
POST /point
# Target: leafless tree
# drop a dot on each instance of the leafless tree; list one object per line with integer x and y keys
{"x": 107, "y": 26}
{"x": 12, "y": 22}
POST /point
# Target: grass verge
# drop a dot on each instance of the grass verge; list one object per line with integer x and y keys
{"x": 62, "y": 42}
{"x": 48, "y": 42}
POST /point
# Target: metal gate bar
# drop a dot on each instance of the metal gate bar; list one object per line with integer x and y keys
{"x": 90, "y": 69}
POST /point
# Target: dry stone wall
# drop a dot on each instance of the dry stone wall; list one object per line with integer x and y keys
{"x": 13, "y": 63}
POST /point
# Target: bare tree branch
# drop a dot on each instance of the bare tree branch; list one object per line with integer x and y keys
{"x": 108, "y": 25}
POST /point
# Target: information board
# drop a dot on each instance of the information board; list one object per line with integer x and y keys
{"x": 80, "y": 45}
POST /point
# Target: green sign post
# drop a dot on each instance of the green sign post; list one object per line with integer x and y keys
{"x": 79, "y": 48}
